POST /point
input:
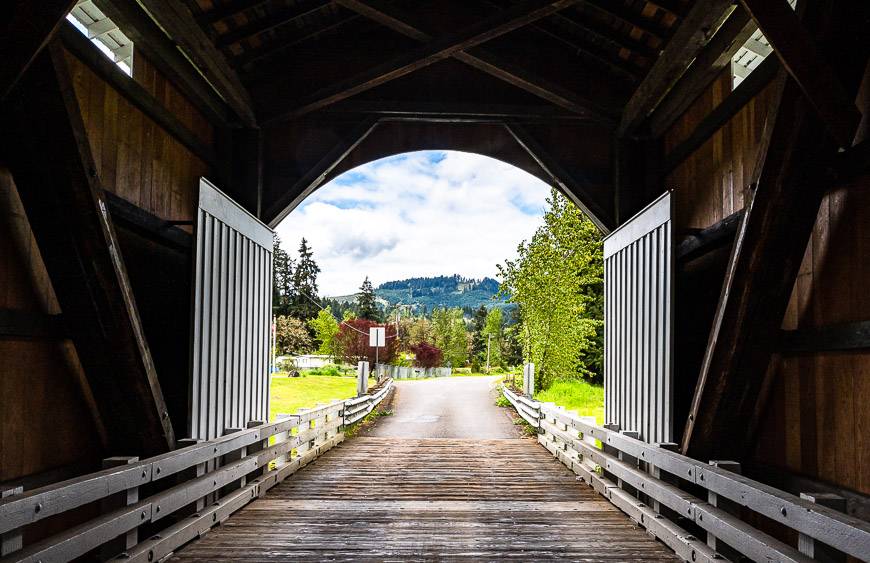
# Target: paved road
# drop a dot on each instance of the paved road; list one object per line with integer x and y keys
{"x": 448, "y": 407}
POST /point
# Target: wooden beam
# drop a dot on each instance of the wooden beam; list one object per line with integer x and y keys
{"x": 715, "y": 236}
{"x": 28, "y": 29}
{"x": 487, "y": 29}
{"x": 709, "y": 63}
{"x": 278, "y": 18}
{"x": 857, "y": 503}
{"x": 227, "y": 10}
{"x": 800, "y": 56}
{"x": 483, "y": 61}
{"x": 602, "y": 58}
{"x": 607, "y": 34}
{"x": 693, "y": 34}
{"x": 311, "y": 180}
{"x": 453, "y": 109}
{"x": 146, "y": 223}
{"x": 628, "y": 15}
{"x": 90, "y": 55}
{"x": 848, "y": 336}
{"x": 853, "y": 162}
{"x": 792, "y": 179}
{"x": 54, "y": 171}
{"x": 574, "y": 188}
{"x": 716, "y": 119}
{"x": 175, "y": 18}
{"x": 152, "y": 42}
{"x": 29, "y": 324}
{"x": 271, "y": 48}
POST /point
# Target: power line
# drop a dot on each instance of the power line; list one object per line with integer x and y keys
{"x": 350, "y": 326}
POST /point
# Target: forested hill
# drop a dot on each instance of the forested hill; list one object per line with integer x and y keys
{"x": 425, "y": 294}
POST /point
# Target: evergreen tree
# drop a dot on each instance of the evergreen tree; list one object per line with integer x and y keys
{"x": 367, "y": 306}
{"x": 304, "y": 285}
{"x": 282, "y": 278}
{"x": 478, "y": 339}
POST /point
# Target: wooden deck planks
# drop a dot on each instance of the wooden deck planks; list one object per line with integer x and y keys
{"x": 400, "y": 500}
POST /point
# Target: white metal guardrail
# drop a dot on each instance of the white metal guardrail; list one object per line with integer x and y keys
{"x": 405, "y": 372}
{"x": 654, "y": 486}
{"x": 185, "y": 498}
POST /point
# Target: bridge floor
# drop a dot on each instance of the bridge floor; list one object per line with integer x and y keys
{"x": 399, "y": 499}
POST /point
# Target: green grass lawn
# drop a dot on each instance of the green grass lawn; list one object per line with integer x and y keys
{"x": 291, "y": 393}
{"x": 576, "y": 395}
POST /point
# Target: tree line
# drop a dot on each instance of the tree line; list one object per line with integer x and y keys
{"x": 305, "y": 323}
{"x": 555, "y": 282}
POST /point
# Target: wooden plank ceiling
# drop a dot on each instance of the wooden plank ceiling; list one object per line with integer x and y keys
{"x": 585, "y": 57}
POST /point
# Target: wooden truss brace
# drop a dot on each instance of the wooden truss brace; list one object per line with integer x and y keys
{"x": 54, "y": 171}
{"x": 28, "y": 30}
{"x": 312, "y": 179}
{"x": 694, "y": 33}
{"x": 451, "y": 45}
{"x": 175, "y": 18}
{"x": 800, "y": 56}
{"x": 150, "y": 40}
{"x": 482, "y": 60}
{"x": 574, "y": 189}
{"x": 797, "y": 164}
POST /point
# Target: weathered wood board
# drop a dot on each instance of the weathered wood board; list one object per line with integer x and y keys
{"x": 392, "y": 499}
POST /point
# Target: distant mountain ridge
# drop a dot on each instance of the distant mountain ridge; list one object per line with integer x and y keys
{"x": 427, "y": 293}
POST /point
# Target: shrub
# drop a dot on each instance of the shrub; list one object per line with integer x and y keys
{"x": 427, "y": 355}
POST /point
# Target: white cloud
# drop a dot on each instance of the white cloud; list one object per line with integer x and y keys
{"x": 417, "y": 214}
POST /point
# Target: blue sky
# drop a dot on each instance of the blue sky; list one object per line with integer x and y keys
{"x": 417, "y": 214}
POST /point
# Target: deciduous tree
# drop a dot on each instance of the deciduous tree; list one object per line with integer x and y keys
{"x": 557, "y": 281}
{"x": 291, "y": 336}
{"x": 325, "y": 328}
{"x": 451, "y": 335}
{"x": 427, "y": 356}
{"x": 352, "y": 342}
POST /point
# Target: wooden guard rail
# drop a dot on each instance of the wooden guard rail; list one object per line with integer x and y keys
{"x": 656, "y": 488}
{"x": 189, "y": 490}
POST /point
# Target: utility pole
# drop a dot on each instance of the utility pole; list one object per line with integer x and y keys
{"x": 488, "y": 343}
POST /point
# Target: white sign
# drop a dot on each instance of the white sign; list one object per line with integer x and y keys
{"x": 377, "y": 336}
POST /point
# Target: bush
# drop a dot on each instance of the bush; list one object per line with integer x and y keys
{"x": 427, "y": 355}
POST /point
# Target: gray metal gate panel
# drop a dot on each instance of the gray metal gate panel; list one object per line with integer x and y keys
{"x": 232, "y": 307}
{"x": 638, "y": 317}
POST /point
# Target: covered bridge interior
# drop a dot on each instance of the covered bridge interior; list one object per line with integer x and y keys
{"x": 754, "y": 114}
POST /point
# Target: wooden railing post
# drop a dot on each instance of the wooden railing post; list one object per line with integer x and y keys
{"x": 302, "y": 447}
{"x": 728, "y": 506}
{"x": 283, "y": 459}
{"x": 529, "y": 380}
{"x": 630, "y": 460}
{"x": 130, "y": 496}
{"x": 362, "y": 378}
{"x": 257, "y": 446}
{"x": 610, "y": 450}
{"x": 664, "y": 476}
{"x": 197, "y": 470}
{"x": 812, "y": 548}
{"x": 229, "y": 458}
{"x": 12, "y": 540}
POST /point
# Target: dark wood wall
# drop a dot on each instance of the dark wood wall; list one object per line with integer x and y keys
{"x": 711, "y": 183}
{"x": 136, "y": 158}
{"x": 43, "y": 398}
{"x": 817, "y": 412}
{"x": 46, "y": 419}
